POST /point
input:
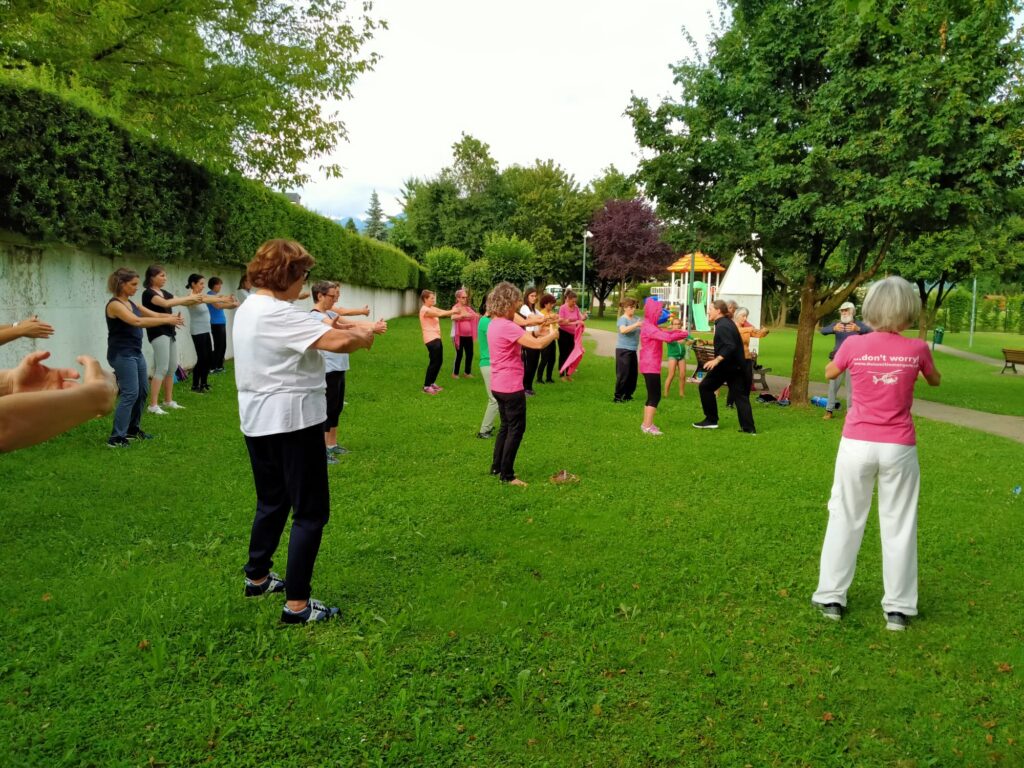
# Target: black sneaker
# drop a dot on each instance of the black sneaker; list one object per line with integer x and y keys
{"x": 530, "y": 393}
{"x": 117, "y": 442}
{"x": 896, "y": 622}
{"x": 748, "y": 431}
{"x": 139, "y": 435}
{"x": 706, "y": 424}
{"x": 273, "y": 583}
{"x": 486, "y": 434}
{"x": 313, "y": 612}
{"x": 627, "y": 398}
{"x": 833, "y": 611}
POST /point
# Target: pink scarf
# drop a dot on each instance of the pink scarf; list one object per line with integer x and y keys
{"x": 573, "y": 361}
{"x": 457, "y": 325}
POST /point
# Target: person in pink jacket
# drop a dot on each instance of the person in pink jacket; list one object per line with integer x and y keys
{"x": 651, "y": 338}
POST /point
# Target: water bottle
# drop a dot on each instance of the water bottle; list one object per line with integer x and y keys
{"x": 821, "y": 402}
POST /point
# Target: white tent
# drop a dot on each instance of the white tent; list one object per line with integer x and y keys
{"x": 742, "y": 284}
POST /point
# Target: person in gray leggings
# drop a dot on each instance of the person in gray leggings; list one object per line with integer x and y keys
{"x": 162, "y": 338}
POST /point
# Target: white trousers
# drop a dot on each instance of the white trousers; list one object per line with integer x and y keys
{"x": 858, "y": 463}
{"x": 491, "y": 411}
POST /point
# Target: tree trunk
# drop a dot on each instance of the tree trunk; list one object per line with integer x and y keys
{"x": 923, "y": 321}
{"x": 780, "y": 320}
{"x": 807, "y": 327}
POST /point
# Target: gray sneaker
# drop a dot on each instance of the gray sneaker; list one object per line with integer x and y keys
{"x": 313, "y": 612}
{"x": 896, "y": 622}
{"x": 833, "y": 611}
{"x": 331, "y": 458}
{"x": 273, "y": 583}
{"x": 337, "y": 450}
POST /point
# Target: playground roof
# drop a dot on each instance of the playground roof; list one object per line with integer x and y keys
{"x": 702, "y": 263}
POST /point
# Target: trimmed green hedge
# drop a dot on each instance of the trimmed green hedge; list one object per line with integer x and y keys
{"x": 68, "y": 175}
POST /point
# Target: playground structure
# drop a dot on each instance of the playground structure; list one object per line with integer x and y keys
{"x": 705, "y": 290}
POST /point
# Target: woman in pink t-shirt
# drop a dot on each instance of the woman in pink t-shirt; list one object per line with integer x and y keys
{"x": 430, "y": 325}
{"x": 505, "y": 341}
{"x": 464, "y": 332}
{"x": 878, "y": 442}
{"x": 570, "y": 335}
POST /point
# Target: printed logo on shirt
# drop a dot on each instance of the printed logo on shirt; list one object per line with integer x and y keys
{"x": 887, "y": 368}
{"x": 886, "y": 377}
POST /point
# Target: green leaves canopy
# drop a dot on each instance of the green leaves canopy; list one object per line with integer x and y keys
{"x": 237, "y": 84}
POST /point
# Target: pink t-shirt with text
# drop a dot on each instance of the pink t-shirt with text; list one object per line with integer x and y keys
{"x": 506, "y": 362}
{"x": 882, "y": 368}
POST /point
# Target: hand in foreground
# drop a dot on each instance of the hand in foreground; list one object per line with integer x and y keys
{"x": 380, "y": 327}
{"x": 177, "y": 320}
{"x": 365, "y": 310}
{"x": 95, "y": 376}
{"x": 32, "y": 376}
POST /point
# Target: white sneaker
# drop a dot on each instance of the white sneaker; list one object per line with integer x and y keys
{"x": 157, "y": 410}
{"x": 173, "y": 405}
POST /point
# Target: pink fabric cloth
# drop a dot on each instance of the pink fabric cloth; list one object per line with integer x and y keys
{"x": 651, "y": 338}
{"x": 882, "y": 368}
{"x": 506, "y": 361}
{"x": 572, "y": 362}
{"x": 466, "y": 326}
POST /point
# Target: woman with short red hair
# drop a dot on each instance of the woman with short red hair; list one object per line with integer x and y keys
{"x": 280, "y": 374}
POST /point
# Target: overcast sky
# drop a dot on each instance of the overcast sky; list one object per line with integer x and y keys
{"x": 534, "y": 79}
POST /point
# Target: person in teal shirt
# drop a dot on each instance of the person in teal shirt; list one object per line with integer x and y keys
{"x": 484, "y": 365}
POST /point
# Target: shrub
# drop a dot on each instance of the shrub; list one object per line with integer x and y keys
{"x": 478, "y": 277}
{"x": 510, "y": 258}
{"x": 444, "y": 272}
{"x": 72, "y": 176}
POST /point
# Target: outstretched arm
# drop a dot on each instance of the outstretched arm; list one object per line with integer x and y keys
{"x": 31, "y": 327}
{"x": 42, "y": 402}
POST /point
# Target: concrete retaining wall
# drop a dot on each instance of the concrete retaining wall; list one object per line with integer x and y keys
{"x": 67, "y": 288}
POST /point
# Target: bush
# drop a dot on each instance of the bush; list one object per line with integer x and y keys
{"x": 444, "y": 272}
{"x": 478, "y": 277}
{"x": 510, "y": 258}
{"x": 72, "y": 176}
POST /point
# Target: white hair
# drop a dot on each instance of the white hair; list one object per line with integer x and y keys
{"x": 892, "y": 304}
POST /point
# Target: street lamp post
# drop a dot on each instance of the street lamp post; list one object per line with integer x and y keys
{"x": 587, "y": 234}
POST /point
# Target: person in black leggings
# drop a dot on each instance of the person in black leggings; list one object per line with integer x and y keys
{"x": 531, "y": 357}
{"x": 431, "y": 328}
{"x": 548, "y": 354}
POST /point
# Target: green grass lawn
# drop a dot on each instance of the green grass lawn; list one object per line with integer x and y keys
{"x": 655, "y": 614}
{"x": 988, "y": 343}
{"x": 965, "y": 383}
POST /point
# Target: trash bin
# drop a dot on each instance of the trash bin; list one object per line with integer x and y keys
{"x": 937, "y": 335}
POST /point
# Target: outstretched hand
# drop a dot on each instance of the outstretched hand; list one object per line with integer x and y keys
{"x": 96, "y": 376}
{"x": 380, "y": 327}
{"x": 32, "y": 376}
{"x": 35, "y": 328}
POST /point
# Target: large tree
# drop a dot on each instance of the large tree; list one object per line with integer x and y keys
{"x": 833, "y": 135}
{"x": 627, "y": 244}
{"x": 235, "y": 84}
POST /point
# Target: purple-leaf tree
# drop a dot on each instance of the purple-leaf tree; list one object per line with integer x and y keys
{"x": 627, "y": 246}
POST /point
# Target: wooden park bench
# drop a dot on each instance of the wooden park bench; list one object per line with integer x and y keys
{"x": 705, "y": 351}
{"x": 1010, "y": 359}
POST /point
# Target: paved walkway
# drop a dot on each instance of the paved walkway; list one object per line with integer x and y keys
{"x": 968, "y": 355}
{"x": 995, "y": 424}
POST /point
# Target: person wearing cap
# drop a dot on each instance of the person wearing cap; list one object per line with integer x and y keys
{"x": 842, "y": 330}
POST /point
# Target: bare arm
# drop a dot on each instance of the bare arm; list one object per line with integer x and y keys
{"x": 435, "y": 312}
{"x": 150, "y": 319}
{"x": 339, "y": 310}
{"x": 348, "y": 340}
{"x": 630, "y": 328}
{"x": 45, "y": 403}
{"x": 31, "y": 327}
{"x": 180, "y": 301}
{"x": 934, "y": 378}
{"x": 832, "y": 371}
{"x": 538, "y": 342}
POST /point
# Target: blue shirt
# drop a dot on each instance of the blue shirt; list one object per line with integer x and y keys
{"x": 629, "y": 340}
{"x": 842, "y": 336}
{"x": 217, "y": 316}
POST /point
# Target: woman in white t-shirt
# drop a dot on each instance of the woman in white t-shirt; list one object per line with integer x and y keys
{"x": 280, "y": 378}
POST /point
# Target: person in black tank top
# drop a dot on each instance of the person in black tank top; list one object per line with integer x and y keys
{"x": 125, "y": 321}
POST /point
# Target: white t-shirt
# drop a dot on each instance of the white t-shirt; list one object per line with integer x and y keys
{"x": 280, "y": 377}
{"x": 336, "y": 361}
{"x": 525, "y": 312}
